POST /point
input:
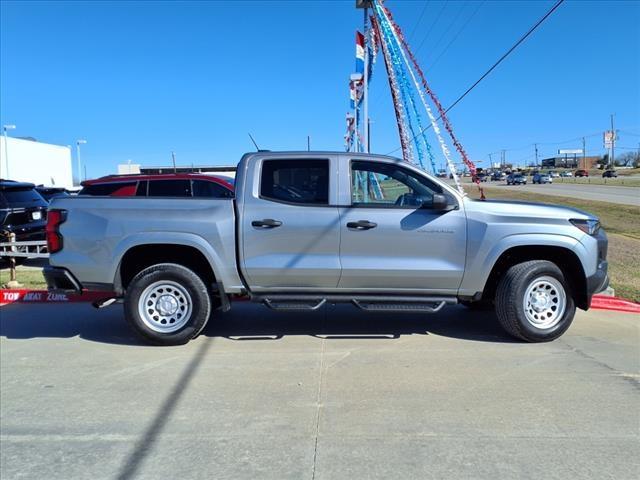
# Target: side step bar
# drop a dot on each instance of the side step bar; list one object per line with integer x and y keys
{"x": 370, "y": 303}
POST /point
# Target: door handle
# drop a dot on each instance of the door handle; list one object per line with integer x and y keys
{"x": 266, "y": 223}
{"x": 362, "y": 225}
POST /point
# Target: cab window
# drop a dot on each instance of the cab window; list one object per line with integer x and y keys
{"x": 304, "y": 182}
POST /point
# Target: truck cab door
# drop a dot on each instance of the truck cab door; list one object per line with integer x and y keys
{"x": 393, "y": 236}
{"x": 290, "y": 228}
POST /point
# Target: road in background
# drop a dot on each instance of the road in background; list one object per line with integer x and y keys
{"x": 336, "y": 393}
{"x": 601, "y": 193}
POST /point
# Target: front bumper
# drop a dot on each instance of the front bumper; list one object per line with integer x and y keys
{"x": 61, "y": 280}
{"x": 599, "y": 281}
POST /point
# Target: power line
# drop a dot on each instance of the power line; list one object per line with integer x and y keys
{"x": 455, "y": 37}
{"x": 430, "y": 29}
{"x": 498, "y": 62}
{"x": 453, "y": 22}
{"x": 424, "y": 9}
{"x": 629, "y": 133}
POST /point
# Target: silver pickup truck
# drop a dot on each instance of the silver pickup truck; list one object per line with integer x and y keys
{"x": 306, "y": 228}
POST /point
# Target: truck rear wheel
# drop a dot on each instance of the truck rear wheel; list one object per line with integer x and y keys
{"x": 533, "y": 301}
{"x": 167, "y": 304}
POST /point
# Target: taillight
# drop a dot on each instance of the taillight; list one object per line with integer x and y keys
{"x": 54, "y": 239}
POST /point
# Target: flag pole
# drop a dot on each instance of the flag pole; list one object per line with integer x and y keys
{"x": 365, "y": 93}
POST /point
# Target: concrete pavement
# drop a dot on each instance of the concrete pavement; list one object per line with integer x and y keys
{"x": 336, "y": 393}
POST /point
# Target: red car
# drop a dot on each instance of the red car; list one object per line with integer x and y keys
{"x": 160, "y": 185}
{"x": 581, "y": 173}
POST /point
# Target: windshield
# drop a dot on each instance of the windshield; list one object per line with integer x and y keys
{"x": 20, "y": 198}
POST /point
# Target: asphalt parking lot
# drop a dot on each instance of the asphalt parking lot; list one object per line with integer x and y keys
{"x": 330, "y": 394}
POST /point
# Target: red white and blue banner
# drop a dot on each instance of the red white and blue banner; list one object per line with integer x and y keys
{"x": 359, "y": 52}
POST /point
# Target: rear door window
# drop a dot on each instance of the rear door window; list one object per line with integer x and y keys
{"x": 110, "y": 189}
{"x": 203, "y": 188}
{"x": 304, "y": 182}
{"x": 170, "y": 188}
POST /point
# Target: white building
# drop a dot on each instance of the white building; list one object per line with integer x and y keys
{"x": 32, "y": 161}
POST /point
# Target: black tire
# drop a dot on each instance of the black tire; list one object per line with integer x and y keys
{"x": 509, "y": 301}
{"x": 183, "y": 286}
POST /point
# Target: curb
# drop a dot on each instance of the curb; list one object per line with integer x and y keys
{"x": 604, "y": 302}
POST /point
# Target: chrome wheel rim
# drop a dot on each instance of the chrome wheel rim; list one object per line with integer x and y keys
{"x": 165, "y": 306}
{"x": 544, "y": 302}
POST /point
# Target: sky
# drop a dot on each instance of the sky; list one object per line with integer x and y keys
{"x": 139, "y": 80}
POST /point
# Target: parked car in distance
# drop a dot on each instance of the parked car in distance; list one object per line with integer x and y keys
{"x": 498, "y": 176}
{"x": 542, "y": 178}
{"x": 566, "y": 174}
{"x": 23, "y": 211}
{"x": 480, "y": 177}
{"x": 516, "y": 179}
{"x": 609, "y": 174}
{"x": 553, "y": 174}
{"x": 160, "y": 185}
{"x": 581, "y": 173}
{"x": 49, "y": 193}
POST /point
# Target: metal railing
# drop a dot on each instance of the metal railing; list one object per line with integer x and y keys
{"x": 30, "y": 249}
{"x": 12, "y": 250}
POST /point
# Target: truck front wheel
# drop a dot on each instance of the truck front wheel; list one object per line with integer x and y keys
{"x": 167, "y": 304}
{"x": 534, "y": 302}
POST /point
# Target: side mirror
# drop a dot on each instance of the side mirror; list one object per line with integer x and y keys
{"x": 439, "y": 202}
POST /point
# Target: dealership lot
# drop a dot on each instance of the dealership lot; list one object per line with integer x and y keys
{"x": 327, "y": 394}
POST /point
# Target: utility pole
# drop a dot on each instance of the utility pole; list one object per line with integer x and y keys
{"x": 6, "y": 147}
{"x": 78, "y": 143}
{"x": 535, "y": 146}
{"x": 173, "y": 159}
{"x": 365, "y": 93}
{"x": 490, "y": 161}
{"x": 502, "y": 158}
{"x": 308, "y": 143}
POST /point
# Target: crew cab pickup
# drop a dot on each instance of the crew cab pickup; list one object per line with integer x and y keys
{"x": 306, "y": 228}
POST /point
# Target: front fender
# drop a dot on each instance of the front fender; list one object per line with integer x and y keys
{"x": 481, "y": 262}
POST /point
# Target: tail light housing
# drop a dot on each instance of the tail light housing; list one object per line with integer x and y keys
{"x": 54, "y": 239}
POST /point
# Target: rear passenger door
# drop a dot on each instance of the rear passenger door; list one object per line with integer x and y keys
{"x": 290, "y": 226}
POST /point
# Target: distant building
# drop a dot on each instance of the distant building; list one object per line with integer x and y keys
{"x": 570, "y": 161}
{"x": 27, "y": 160}
{"x": 128, "y": 168}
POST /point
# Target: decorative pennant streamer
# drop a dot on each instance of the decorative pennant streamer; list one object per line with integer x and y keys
{"x": 441, "y": 110}
{"x": 407, "y": 93}
{"x": 436, "y": 128}
{"x": 393, "y": 86}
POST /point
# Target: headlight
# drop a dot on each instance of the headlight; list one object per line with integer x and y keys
{"x": 590, "y": 226}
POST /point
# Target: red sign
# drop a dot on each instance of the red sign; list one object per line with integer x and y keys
{"x": 44, "y": 296}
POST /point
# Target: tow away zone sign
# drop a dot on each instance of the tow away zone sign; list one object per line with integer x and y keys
{"x": 44, "y": 296}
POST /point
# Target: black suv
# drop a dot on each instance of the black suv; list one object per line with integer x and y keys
{"x": 23, "y": 211}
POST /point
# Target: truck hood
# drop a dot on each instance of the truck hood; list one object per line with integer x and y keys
{"x": 538, "y": 211}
